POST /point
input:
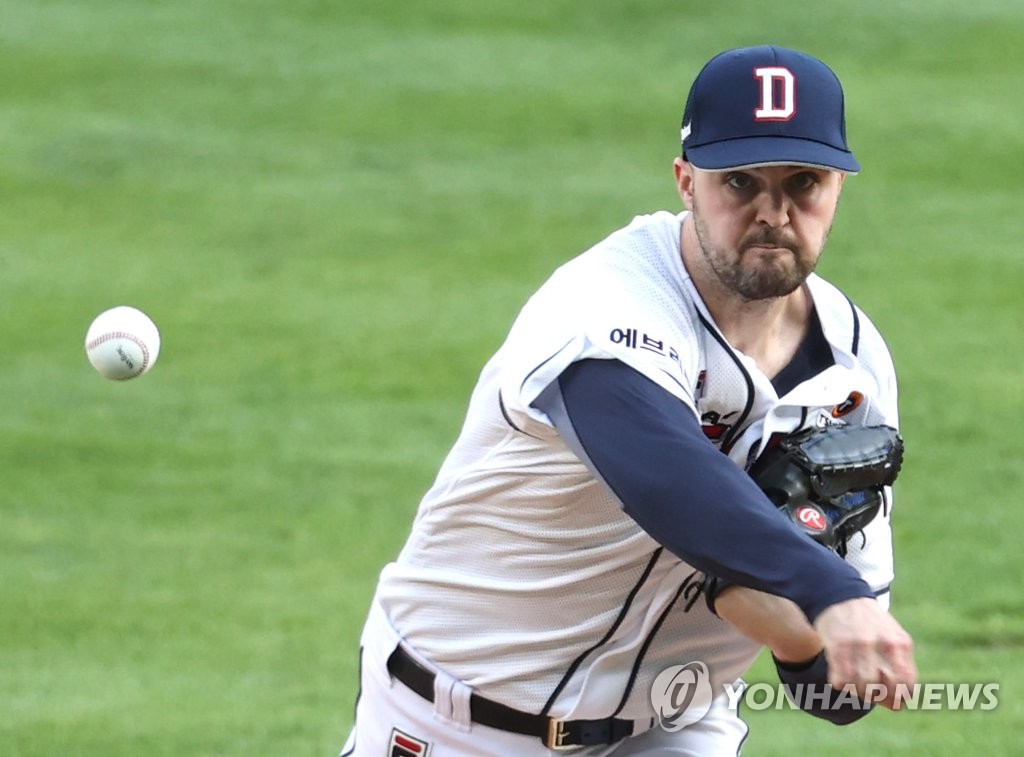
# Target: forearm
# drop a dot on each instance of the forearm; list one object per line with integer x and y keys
{"x": 773, "y": 621}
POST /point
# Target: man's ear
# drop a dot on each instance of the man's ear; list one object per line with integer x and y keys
{"x": 684, "y": 180}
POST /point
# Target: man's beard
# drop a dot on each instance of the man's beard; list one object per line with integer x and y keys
{"x": 760, "y": 280}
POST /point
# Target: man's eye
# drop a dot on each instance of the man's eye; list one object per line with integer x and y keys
{"x": 738, "y": 181}
{"x": 804, "y": 180}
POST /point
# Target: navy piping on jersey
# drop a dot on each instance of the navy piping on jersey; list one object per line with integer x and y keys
{"x": 647, "y": 447}
{"x": 734, "y": 433}
{"x": 508, "y": 418}
{"x": 855, "y": 342}
{"x": 571, "y": 670}
{"x": 501, "y": 400}
{"x": 688, "y": 585}
{"x": 542, "y": 363}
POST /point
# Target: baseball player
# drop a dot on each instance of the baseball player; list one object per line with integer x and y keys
{"x": 559, "y": 562}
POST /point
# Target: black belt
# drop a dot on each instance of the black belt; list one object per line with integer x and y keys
{"x": 556, "y": 734}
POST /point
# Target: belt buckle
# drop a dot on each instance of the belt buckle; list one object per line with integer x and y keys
{"x": 556, "y": 735}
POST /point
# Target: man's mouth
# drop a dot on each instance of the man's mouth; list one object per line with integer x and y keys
{"x": 767, "y": 248}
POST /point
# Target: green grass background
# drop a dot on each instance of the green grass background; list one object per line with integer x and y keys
{"x": 334, "y": 210}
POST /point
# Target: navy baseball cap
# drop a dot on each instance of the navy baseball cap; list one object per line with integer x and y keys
{"x": 765, "y": 106}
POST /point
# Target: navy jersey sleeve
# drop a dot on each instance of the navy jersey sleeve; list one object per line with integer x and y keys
{"x": 648, "y": 448}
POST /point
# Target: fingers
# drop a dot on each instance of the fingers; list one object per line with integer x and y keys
{"x": 867, "y": 649}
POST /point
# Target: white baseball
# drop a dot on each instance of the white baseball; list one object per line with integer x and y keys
{"x": 122, "y": 343}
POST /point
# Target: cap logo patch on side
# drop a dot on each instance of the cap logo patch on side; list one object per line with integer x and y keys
{"x": 778, "y": 94}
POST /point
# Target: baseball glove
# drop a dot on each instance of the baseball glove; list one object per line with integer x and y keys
{"x": 829, "y": 481}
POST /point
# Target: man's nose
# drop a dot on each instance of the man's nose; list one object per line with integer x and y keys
{"x": 773, "y": 208}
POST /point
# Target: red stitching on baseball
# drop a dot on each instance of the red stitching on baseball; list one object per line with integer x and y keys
{"x": 123, "y": 335}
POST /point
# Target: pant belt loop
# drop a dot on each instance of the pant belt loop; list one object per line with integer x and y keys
{"x": 461, "y": 714}
{"x": 451, "y": 701}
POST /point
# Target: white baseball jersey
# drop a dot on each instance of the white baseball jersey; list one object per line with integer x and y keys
{"x": 522, "y": 576}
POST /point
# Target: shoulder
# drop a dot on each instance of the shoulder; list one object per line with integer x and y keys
{"x": 648, "y": 242}
{"x": 634, "y": 272}
{"x": 624, "y": 298}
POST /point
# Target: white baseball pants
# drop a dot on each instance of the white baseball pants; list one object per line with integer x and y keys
{"x": 394, "y": 721}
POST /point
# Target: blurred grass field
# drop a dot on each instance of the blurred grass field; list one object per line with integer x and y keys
{"x": 334, "y": 211}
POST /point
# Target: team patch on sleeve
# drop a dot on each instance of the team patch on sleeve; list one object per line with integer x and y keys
{"x": 404, "y": 745}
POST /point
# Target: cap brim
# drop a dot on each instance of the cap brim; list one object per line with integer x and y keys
{"x": 754, "y": 152}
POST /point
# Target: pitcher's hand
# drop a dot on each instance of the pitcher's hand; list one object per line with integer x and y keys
{"x": 866, "y": 646}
